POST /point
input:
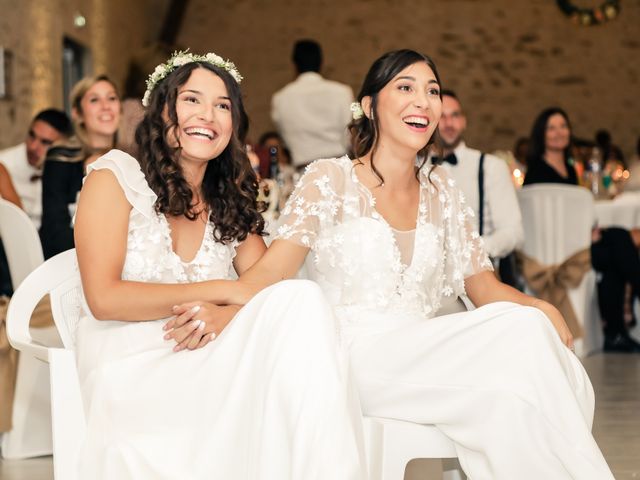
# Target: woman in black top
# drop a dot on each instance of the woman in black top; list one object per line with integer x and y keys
{"x": 614, "y": 251}
{"x": 96, "y": 113}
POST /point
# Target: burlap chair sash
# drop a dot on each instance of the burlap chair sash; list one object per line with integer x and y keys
{"x": 551, "y": 282}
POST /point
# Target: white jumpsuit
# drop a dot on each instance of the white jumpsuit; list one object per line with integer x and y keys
{"x": 497, "y": 380}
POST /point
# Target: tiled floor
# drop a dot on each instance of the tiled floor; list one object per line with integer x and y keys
{"x": 616, "y": 379}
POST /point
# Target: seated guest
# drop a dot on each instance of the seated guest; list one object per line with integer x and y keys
{"x": 7, "y": 190}
{"x": 614, "y": 251}
{"x": 486, "y": 183}
{"x": 24, "y": 161}
{"x": 96, "y": 112}
{"x": 610, "y": 151}
{"x": 287, "y": 175}
{"x": 633, "y": 184}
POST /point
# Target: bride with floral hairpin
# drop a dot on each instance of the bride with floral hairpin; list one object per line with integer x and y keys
{"x": 264, "y": 399}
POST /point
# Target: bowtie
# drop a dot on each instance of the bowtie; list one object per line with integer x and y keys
{"x": 451, "y": 158}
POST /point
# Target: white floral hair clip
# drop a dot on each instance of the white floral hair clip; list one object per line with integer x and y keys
{"x": 356, "y": 111}
{"x": 182, "y": 58}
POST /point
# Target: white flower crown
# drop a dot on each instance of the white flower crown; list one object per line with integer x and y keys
{"x": 182, "y": 58}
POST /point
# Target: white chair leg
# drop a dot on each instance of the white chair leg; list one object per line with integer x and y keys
{"x": 30, "y": 435}
{"x": 68, "y": 424}
{"x": 452, "y": 470}
{"x": 394, "y": 468}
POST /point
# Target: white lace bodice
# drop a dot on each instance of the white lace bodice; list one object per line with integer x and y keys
{"x": 150, "y": 256}
{"x": 354, "y": 252}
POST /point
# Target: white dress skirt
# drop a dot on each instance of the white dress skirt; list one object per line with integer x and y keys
{"x": 269, "y": 399}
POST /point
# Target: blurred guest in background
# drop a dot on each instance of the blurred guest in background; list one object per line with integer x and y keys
{"x": 272, "y": 147}
{"x": 312, "y": 113}
{"x": 24, "y": 161}
{"x": 520, "y": 150}
{"x": 610, "y": 152}
{"x": 487, "y": 185}
{"x": 96, "y": 113}
{"x": 633, "y": 183}
{"x": 7, "y": 190}
{"x": 132, "y": 109}
{"x": 614, "y": 251}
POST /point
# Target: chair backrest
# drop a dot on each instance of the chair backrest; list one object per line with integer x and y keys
{"x": 60, "y": 278}
{"x": 557, "y": 221}
{"x": 21, "y": 242}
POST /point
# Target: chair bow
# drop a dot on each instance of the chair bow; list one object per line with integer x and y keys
{"x": 551, "y": 282}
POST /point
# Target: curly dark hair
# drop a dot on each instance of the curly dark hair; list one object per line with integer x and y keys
{"x": 229, "y": 186}
{"x": 365, "y": 131}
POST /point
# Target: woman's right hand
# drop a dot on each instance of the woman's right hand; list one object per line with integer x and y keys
{"x": 195, "y": 324}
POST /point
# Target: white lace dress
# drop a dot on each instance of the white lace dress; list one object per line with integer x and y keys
{"x": 268, "y": 399}
{"x": 496, "y": 380}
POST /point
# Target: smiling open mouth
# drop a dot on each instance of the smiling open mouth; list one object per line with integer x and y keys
{"x": 417, "y": 122}
{"x": 200, "y": 132}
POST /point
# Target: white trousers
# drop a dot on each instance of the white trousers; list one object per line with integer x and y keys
{"x": 497, "y": 381}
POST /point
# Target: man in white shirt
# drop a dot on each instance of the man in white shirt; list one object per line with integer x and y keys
{"x": 489, "y": 190}
{"x": 25, "y": 161}
{"x": 312, "y": 113}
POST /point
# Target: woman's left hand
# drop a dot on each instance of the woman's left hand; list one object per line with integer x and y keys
{"x": 557, "y": 320}
{"x": 195, "y": 324}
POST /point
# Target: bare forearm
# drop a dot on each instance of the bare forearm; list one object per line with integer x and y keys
{"x": 484, "y": 288}
{"x": 139, "y": 301}
{"x": 282, "y": 261}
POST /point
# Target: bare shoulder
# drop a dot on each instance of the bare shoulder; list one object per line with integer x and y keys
{"x": 102, "y": 187}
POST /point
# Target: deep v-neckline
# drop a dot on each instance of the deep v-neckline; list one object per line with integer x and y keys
{"x": 376, "y": 215}
{"x": 170, "y": 240}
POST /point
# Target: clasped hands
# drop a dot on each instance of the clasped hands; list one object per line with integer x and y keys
{"x": 195, "y": 324}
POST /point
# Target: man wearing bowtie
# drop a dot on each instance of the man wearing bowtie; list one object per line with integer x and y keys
{"x": 486, "y": 183}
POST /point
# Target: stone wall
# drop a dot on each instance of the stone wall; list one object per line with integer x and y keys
{"x": 33, "y": 30}
{"x": 506, "y": 59}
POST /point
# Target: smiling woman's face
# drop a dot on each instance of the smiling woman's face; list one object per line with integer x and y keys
{"x": 100, "y": 109}
{"x": 203, "y": 109}
{"x": 557, "y": 134}
{"x": 409, "y": 107}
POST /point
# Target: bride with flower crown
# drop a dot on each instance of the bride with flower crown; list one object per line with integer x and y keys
{"x": 266, "y": 398}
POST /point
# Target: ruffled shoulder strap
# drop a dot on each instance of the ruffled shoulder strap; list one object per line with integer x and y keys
{"x": 129, "y": 174}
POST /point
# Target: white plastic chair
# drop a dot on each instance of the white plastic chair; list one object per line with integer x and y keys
{"x": 557, "y": 222}
{"x": 392, "y": 444}
{"x": 59, "y": 277}
{"x": 30, "y": 435}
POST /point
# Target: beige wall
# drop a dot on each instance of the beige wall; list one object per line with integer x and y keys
{"x": 34, "y": 29}
{"x": 507, "y": 59}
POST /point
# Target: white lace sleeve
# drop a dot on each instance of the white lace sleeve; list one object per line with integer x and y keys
{"x": 464, "y": 251}
{"x": 474, "y": 256}
{"x": 314, "y": 205}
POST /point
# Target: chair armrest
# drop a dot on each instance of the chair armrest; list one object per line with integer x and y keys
{"x": 34, "y": 349}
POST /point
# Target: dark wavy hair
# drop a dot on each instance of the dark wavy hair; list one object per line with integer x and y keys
{"x": 535, "y": 152}
{"x": 365, "y": 131}
{"x": 229, "y": 186}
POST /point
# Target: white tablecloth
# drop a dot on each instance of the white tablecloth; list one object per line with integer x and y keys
{"x": 623, "y": 211}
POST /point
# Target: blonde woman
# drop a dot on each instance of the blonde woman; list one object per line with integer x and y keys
{"x": 96, "y": 109}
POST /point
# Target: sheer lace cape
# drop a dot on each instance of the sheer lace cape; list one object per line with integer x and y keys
{"x": 355, "y": 255}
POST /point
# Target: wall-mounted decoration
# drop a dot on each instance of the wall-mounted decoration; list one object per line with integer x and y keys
{"x": 608, "y": 10}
